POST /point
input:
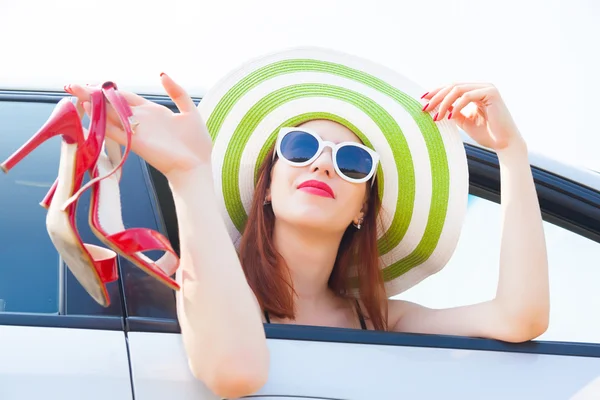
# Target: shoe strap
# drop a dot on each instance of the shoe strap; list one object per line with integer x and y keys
{"x": 125, "y": 114}
{"x": 135, "y": 240}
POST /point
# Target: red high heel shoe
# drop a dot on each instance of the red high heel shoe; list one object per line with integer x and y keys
{"x": 105, "y": 211}
{"x": 92, "y": 266}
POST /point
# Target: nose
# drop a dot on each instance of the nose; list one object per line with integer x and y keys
{"x": 324, "y": 163}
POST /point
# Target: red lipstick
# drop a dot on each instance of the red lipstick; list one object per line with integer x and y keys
{"x": 317, "y": 187}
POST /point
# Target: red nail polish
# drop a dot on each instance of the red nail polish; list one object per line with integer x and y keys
{"x": 161, "y": 74}
{"x": 425, "y": 95}
{"x": 449, "y": 115}
{"x": 424, "y": 108}
{"x": 435, "y": 117}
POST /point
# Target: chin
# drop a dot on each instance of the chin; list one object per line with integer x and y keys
{"x": 308, "y": 216}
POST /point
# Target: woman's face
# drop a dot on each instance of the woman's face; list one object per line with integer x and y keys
{"x": 310, "y": 207}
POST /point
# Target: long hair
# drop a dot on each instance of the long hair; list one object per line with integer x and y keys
{"x": 270, "y": 279}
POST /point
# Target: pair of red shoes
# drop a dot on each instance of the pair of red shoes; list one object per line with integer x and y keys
{"x": 101, "y": 158}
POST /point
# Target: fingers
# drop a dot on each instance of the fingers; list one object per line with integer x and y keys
{"x": 132, "y": 98}
{"x": 471, "y": 96}
{"x": 429, "y": 95}
{"x": 446, "y": 97}
{"x": 180, "y": 97}
{"x": 435, "y": 99}
{"x": 454, "y": 94}
{"x": 117, "y": 134}
{"x": 113, "y": 127}
{"x": 83, "y": 93}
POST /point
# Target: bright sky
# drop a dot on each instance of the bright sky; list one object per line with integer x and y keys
{"x": 542, "y": 54}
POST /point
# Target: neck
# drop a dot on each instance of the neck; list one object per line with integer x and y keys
{"x": 310, "y": 256}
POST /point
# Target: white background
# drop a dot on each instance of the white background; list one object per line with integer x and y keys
{"x": 542, "y": 54}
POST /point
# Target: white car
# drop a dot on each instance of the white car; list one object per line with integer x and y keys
{"x": 57, "y": 343}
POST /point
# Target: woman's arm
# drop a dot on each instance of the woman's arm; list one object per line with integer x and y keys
{"x": 520, "y": 309}
{"x": 523, "y": 294}
{"x": 219, "y": 315}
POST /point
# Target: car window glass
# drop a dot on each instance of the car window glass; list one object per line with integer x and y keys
{"x": 30, "y": 266}
{"x": 29, "y": 271}
{"x": 471, "y": 276}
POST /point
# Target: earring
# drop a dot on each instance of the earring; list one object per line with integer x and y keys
{"x": 266, "y": 202}
{"x": 357, "y": 226}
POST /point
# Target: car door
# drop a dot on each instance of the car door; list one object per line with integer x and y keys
{"x": 329, "y": 363}
{"x": 55, "y": 341}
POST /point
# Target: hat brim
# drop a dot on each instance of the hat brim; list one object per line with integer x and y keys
{"x": 423, "y": 174}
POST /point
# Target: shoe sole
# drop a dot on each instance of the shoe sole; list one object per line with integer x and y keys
{"x": 78, "y": 257}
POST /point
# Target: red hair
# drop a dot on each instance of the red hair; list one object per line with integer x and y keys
{"x": 269, "y": 277}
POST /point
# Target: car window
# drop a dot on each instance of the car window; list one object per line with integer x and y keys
{"x": 471, "y": 276}
{"x": 32, "y": 276}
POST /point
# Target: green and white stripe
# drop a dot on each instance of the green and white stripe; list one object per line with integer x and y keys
{"x": 423, "y": 165}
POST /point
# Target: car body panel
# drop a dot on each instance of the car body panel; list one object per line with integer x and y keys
{"x": 160, "y": 370}
{"x": 360, "y": 371}
{"x": 323, "y": 369}
{"x": 63, "y": 363}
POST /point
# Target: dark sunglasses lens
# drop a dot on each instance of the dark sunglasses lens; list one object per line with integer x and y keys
{"x": 354, "y": 162}
{"x": 298, "y": 146}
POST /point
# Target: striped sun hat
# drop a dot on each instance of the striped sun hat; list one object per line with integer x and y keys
{"x": 423, "y": 175}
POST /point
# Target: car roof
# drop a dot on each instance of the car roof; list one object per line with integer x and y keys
{"x": 576, "y": 173}
{"x": 580, "y": 174}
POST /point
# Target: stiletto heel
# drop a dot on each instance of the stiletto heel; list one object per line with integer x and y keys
{"x": 91, "y": 149}
{"x": 61, "y": 122}
{"x": 92, "y": 266}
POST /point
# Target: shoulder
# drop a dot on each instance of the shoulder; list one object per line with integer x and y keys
{"x": 397, "y": 309}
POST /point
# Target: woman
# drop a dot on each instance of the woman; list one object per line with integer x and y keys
{"x": 304, "y": 217}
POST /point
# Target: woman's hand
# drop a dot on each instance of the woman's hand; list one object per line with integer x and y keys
{"x": 170, "y": 142}
{"x": 489, "y": 123}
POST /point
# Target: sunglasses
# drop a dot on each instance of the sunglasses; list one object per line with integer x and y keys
{"x": 353, "y": 162}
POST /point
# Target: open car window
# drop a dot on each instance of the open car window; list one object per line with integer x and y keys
{"x": 471, "y": 276}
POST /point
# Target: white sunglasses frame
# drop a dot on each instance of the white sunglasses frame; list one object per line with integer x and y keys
{"x": 334, "y": 149}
